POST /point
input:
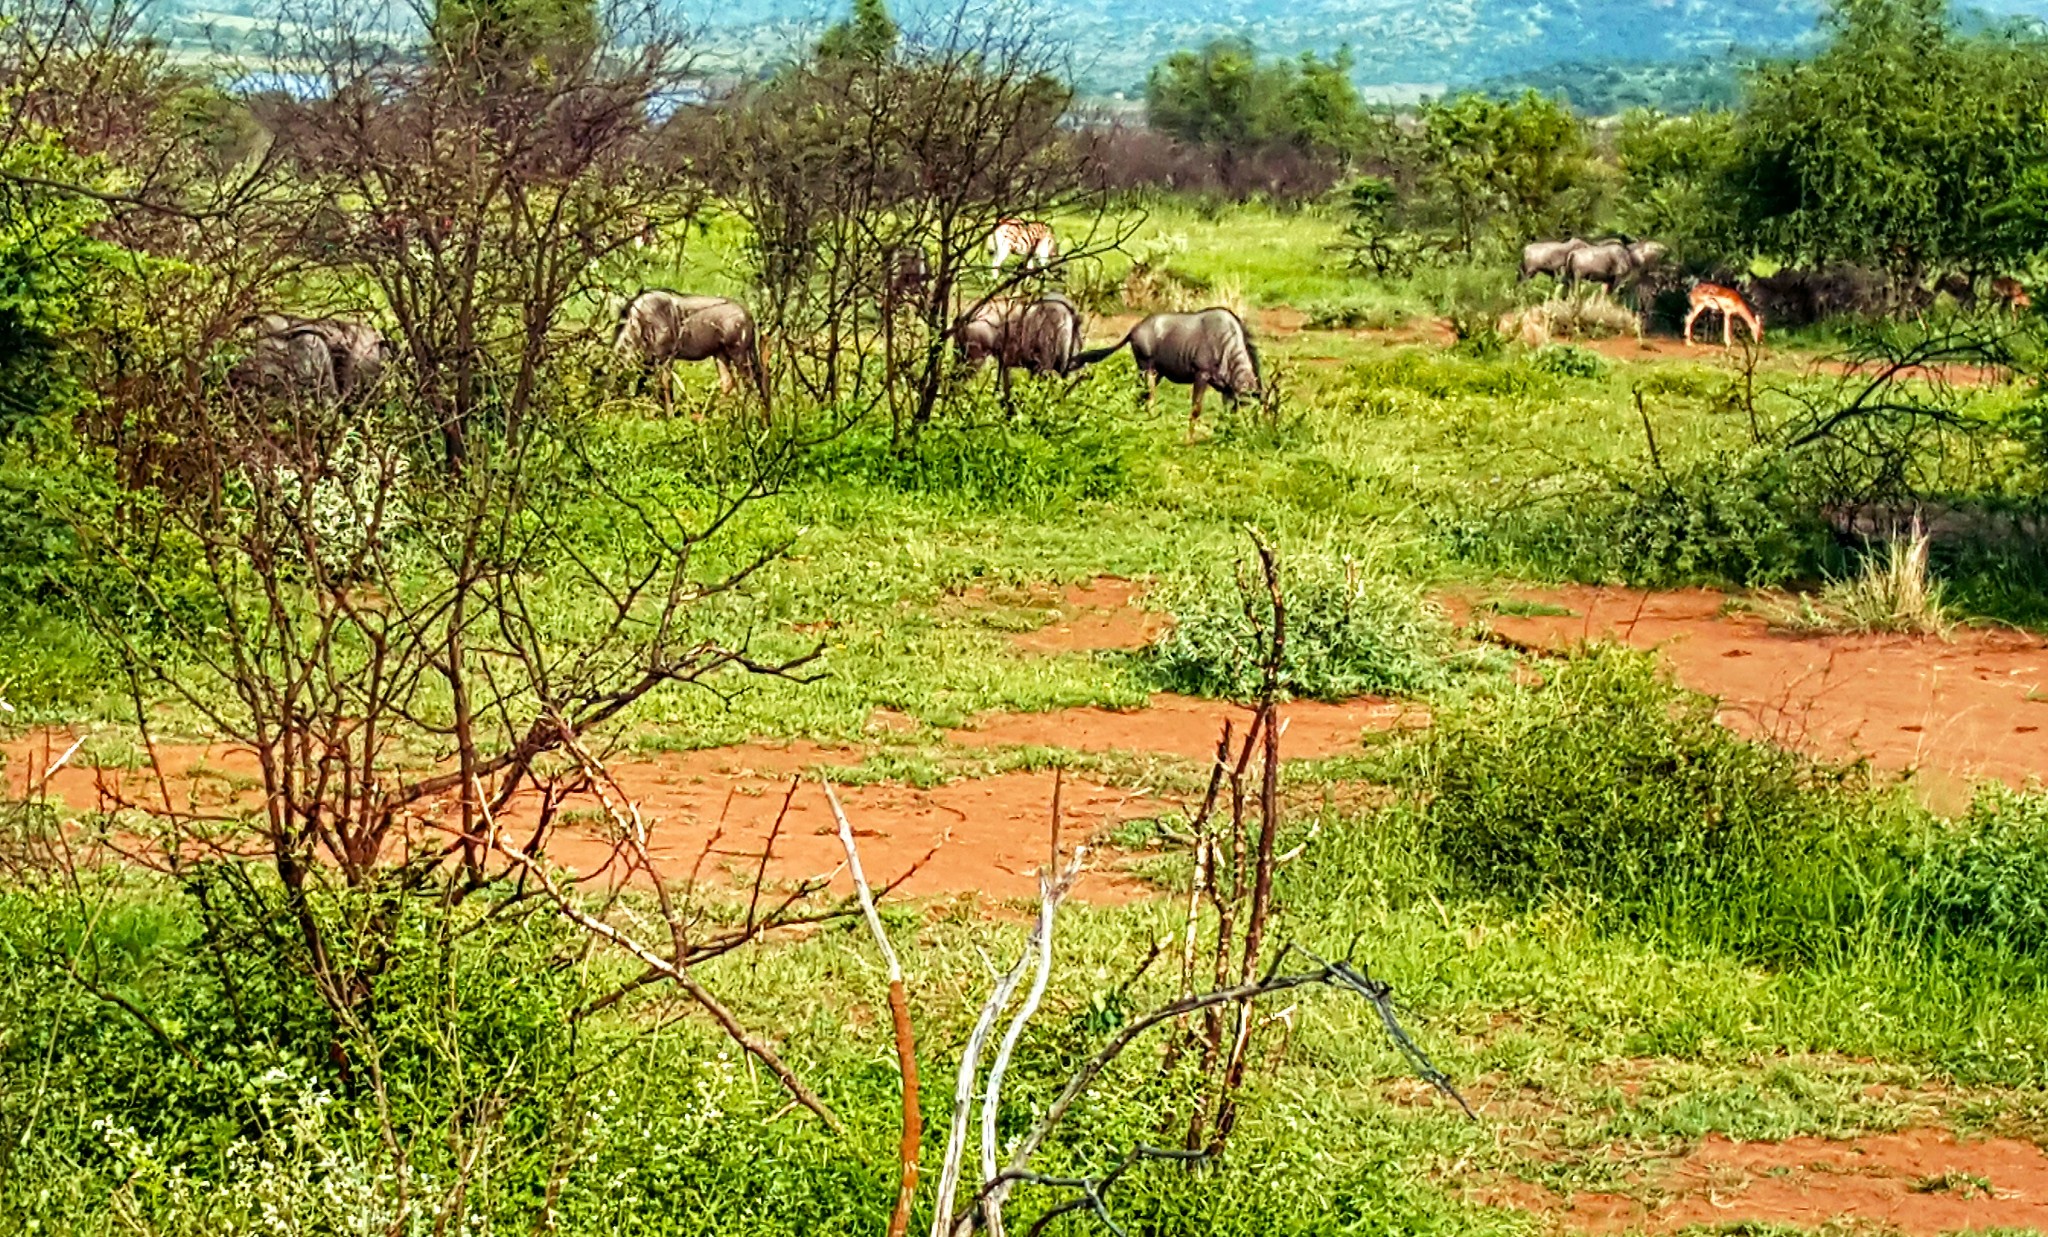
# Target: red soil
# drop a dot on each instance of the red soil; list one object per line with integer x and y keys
{"x": 1957, "y": 711}
{"x": 1105, "y": 613}
{"x": 1920, "y": 1183}
{"x": 1186, "y": 727}
{"x": 713, "y": 812}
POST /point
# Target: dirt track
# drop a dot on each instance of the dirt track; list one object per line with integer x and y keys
{"x": 1955, "y": 712}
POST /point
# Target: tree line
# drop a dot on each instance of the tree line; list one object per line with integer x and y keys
{"x": 1908, "y": 145}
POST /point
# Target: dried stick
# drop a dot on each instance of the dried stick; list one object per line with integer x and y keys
{"x": 899, "y": 1015}
{"x": 1052, "y": 890}
{"x": 963, "y": 1097}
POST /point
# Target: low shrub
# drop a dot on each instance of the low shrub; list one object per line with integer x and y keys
{"x": 1987, "y": 875}
{"x": 1351, "y": 631}
{"x": 1568, "y": 362}
{"x": 1607, "y": 779}
{"x": 1354, "y": 315}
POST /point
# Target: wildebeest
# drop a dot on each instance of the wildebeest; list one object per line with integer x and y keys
{"x": 312, "y": 358}
{"x": 1207, "y": 349}
{"x": 658, "y": 328}
{"x": 906, "y": 277}
{"x": 1612, "y": 263}
{"x": 1040, "y": 336}
{"x": 1548, "y": 258}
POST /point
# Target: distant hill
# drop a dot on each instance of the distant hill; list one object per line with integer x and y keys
{"x": 1607, "y": 88}
{"x": 1428, "y": 44}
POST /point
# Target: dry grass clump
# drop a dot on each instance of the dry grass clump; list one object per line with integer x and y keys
{"x": 1588, "y": 313}
{"x": 1893, "y": 593}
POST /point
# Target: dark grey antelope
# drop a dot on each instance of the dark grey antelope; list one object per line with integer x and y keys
{"x": 1612, "y": 263}
{"x": 1210, "y": 349}
{"x": 1040, "y": 337}
{"x": 322, "y": 359}
{"x": 658, "y": 328}
{"x": 1548, "y": 258}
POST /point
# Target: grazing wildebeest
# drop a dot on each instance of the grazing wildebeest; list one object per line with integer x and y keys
{"x": 1548, "y": 258}
{"x": 313, "y": 358}
{"x": 658, "y": 328}
{"x": 1029, "y": 237}
{"x": 1612, "y": 263}
{"x": 1207, "y": 349}
{"x": 1715, "y": 298}
{"x": 1040, "y": 337}
{"x": 907, "y": 276}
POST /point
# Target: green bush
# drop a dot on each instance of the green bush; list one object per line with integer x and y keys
{"x": 1567, "y": 361}
{"x": 1350, "y": 632}
{"x": 1607, "y": 779}
{"x": 1987, "y": 875}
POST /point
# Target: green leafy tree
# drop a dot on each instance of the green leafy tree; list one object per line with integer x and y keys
{"x": 1675, "y": 179}
{"x": 509, "y": 33}
{"x": 1515, "y": 168}
{"x": 867, "y": 36}
{"x": 1225, "y": 96}
{"x": 1896, "y": 147}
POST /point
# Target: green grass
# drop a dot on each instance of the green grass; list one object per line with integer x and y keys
{"x": 1617, "y": 926}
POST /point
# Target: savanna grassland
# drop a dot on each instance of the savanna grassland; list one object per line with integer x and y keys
{"x": 427, "y": 845}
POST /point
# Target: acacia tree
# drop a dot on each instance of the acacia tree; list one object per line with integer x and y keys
{"x": 484, "y": 200}
{"x": 414, "y": 659}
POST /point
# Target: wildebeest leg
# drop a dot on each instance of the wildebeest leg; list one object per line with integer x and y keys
{"x": 665, "y": 374}
{"x": 1195, "y": 409}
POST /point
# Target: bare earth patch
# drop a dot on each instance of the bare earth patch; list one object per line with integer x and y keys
{"x": 1187, "y": 727}
{"x": 1957, "y": 711}
{"x": 1919, "y": 1182}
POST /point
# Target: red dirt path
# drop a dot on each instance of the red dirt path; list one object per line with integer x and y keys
{"x": 1919, "y": 1182}
{"x": 715, "y": 809}
{"x": 1186, "y": 727}
{"x": 1958, "y": 711}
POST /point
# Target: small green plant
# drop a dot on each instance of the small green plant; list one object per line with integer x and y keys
{"x": 1568, "y": 362}
{"x": 1350, "y": 631}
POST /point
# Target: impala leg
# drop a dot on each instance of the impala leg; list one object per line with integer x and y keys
{"x": 724, "y": 377}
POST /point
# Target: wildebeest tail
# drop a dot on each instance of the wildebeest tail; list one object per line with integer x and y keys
{"x": 1093, "y": 355}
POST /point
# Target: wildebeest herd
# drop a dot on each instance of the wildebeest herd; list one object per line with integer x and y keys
{"x": 339, "y": 360}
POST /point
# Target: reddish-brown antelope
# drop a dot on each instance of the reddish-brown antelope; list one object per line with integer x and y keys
{"x": 2010, "y": 295}
{"x": 1714, "y": 298}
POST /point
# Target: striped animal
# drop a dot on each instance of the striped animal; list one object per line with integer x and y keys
{"x": 1026, "y": 237}
{"x": 1204, "y": 350}
{"x": 1715, "y": 298}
